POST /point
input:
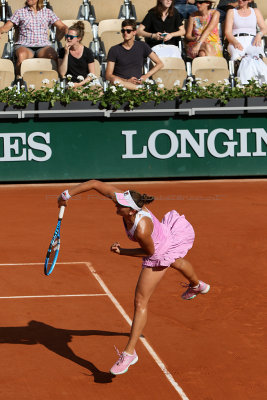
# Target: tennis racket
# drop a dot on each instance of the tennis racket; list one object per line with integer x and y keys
{"x": 53, "y": 249}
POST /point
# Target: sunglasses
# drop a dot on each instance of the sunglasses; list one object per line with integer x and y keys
{"x": 126, "y": 30}
{"x": 70, "y": 36}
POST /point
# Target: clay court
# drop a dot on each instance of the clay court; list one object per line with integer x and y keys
{"x": 58, "y": 333}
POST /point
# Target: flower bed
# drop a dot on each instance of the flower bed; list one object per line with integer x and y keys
{"x": 117, "y": 97}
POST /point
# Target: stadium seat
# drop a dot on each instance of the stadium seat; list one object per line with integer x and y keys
{"x": 141, "y": 8}
{"x": 5, "y": 44}
{"x": 102, "y": 10}
{"x": 212, "y": 68}
{"x": 35, "y": 70}
{"x": 262, "y": 6}
{"x": 7, "y": 74}
{"x": 109, "y": 32}
{"x": 88, "y": 35}
{"x": 173, "y": 70}
{"x": 69, "y": 9}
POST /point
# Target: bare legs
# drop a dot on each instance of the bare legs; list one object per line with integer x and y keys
{"x": 187, "y": 270}
{"x": 23, "y": 53}
{"x": 148, "y": 280}
{"x": 206, "y": 50}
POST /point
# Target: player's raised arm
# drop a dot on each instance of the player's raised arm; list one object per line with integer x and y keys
{"x": 103, "y": 188}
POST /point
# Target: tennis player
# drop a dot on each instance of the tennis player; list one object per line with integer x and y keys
{"x": 161, "y": 245}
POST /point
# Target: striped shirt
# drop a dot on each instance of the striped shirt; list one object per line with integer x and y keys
{"x": 33, "y": 28}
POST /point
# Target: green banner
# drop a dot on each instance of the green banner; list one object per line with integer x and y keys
{"x": 73, "y": 149}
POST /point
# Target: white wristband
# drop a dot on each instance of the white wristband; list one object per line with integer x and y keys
{"x": 65, "y": 195}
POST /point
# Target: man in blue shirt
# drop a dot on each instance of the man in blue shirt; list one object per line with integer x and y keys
{"x": 185, "y": 7}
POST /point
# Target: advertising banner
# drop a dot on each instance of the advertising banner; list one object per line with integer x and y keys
{"x": 73, "y": 149}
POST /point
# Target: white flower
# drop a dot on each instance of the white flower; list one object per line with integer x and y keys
{"x": 113, "y": 89}
{"x": 51, "y": 90}
{"x": 177, "y": 83}
{"x": 205, "y": 80}
{"x": 190, "y": 79}
{"x": 45, "y": 81}
{"x": 226, "y": 81}
{"x": 69, "y": 76}
{"x": 124, "y": 89}
{"x": 93, "y": 76}
{"x": 159, "y": 80}
{"x": 116, "y": 82}
{"x": 71, "y": 84}
{"x": 149, "y": 81}
{"x": 219, "y": 81}
{"x": 22, "y": 87}
{"x": 80, "y": 78}
{"x": 139, "y": 86}
{"x": 10, "y": 87}
{"x": 183, "y": 88}
{"x": 198, "y": 79}
{"x": 161, "y": 86}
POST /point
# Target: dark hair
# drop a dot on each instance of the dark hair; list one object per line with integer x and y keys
{"x": 141, "y": 199}
{"x": 158, "y": 9}
{"x": 79, "y": 28}
{"x": 129, "y": 22}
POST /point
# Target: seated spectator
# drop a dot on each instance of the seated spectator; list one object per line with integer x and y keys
{"x": 185, "y": 7}
{"x": 244, "y": 41}
{"x": 126, "y": 60}
{"x": 33, "y": 22}
{"x": 163, "y": 25}
{"x": 225, "y": 5}
{"x": 202, "y": 31}
{"x": 75, "y": 59}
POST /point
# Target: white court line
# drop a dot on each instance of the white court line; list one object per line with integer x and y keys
{"x": 54, "y": 295}
{"x": 151, "y": 351}
{"x": 153, "y": 354}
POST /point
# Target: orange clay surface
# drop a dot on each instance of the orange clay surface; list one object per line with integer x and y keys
{"x": 61, "y": 347}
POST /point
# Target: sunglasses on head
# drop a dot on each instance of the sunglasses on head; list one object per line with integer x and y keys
{"x": 70, "y": 36}
{"x": 126, "y": 30}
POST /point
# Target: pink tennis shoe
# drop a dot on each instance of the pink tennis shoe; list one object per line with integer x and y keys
{"x": 192, "y": 292}
{"x": 124, "y": 362}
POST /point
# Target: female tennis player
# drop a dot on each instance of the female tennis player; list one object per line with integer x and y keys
{"x": 162, "y": 245}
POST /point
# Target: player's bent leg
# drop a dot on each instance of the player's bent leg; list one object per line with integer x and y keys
{"x": 195, "y": 286}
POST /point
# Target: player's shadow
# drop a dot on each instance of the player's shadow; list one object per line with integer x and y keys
{"x": 56, "y": 340}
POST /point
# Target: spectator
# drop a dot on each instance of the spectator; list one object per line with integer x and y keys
{"x": 224, "y": 6}
{"x": 33, "y": 21}
{"x": 244, "y": 41}
{"x": 163, "y": 25}
{"x": 126, "y": 60}
{"x": 75, "y": 59}
{"x": 185, "y": 7}
{"x": 202, "y": 31}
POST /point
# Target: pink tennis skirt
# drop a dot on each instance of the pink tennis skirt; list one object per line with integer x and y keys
{"x": 173, "y": 237}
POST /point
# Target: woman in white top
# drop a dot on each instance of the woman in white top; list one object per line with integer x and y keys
{"x": 241, "y": 30}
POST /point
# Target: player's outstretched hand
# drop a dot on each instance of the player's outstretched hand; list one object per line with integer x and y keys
{"x": 115, "y": 248}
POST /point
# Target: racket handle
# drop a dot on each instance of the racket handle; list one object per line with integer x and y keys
{"x": 61, "y": 212}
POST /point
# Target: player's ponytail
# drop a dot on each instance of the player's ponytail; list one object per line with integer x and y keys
{"x": 141, "y": 199}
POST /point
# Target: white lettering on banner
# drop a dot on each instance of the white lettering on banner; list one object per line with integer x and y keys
{"x": 14, "y": 147}
{"x": 182, "y": 139}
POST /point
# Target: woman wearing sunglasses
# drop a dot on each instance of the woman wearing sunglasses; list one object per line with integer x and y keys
{"x": 202, "y": 32}
{"x": 162, "y": 25}
{"x": 75, "y": 59}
